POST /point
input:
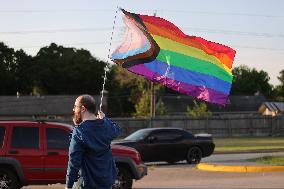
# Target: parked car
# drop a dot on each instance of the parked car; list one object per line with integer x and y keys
{"x": 169, "y": 144}
{"x": 33, "y": 153}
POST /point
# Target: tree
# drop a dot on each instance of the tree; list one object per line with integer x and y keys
{"x": 136, "y": 89}
{"x": 23, "y": 72}
{"x": 279, "y": 89}
{"x": 142, "y": 107}
{"x": 119, "y": 98}
{"x": 6, "y": 66}
{"x": 160, "y": 108}
{"x": 61, "y": 70}
{"x": 14, "y": 71}
{"x": 198, "y": 110}
{"x": 248, "y": 81}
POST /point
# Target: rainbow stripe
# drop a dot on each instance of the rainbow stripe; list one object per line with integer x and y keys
{"x": 161, "y": 52}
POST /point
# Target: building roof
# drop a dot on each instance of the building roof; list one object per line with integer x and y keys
{"x": 39, "y": 105}
{"x": 178, "y": 103}
{"x": 245, "y": 103}
{"x": 274, "y": 106}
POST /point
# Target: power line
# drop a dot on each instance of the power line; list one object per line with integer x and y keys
{"x": 55, "y": 11}
{"x": 224, "y": 13}
{"x": 207, "y": 30}
{"x": 105, "y": 43}
{"x": 69, "y": 44}
{"x": 140, "y": 10}
{"x": 230, "y": 32}
{"x": 56, "y": 30}
{"x": 257, "y": 48}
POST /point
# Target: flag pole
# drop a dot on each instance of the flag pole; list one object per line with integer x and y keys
{"x": 106, "y": 68}
{"x": 152, "y": 98}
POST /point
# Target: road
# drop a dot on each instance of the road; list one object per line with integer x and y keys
{"x": 183, "y": 176}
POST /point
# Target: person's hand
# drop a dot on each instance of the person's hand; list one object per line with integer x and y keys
{"x": 67, "y": 188}
{"x": 100, "y": 115}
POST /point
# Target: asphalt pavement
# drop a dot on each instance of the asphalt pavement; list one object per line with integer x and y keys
{"x": 185, "y": 176}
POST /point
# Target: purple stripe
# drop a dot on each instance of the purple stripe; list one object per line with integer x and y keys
{"x": 199, "y": 92}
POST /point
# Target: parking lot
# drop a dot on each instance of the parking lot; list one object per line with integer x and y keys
{"x": 187, "y": 176}
{"x": 183, "y": 175}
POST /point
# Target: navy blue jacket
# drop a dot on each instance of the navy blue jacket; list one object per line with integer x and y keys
{"x": 90, "y": 152}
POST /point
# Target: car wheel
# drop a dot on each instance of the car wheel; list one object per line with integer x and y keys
{"x": 194, "y": 155}
{"x": 123, "y": 180}
{"x": 8, "y": 179}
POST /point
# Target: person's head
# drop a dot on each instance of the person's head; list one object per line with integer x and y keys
{"x": 84, "y": 106}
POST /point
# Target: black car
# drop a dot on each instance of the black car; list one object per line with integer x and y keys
{"x": 169, "y": 144}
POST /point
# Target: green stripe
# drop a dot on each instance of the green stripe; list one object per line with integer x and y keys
{"x": 174, "y": 46}
{"x": 193, "y": 64}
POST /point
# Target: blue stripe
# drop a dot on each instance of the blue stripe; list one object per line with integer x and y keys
{"x": 132, "y": 52}
{"x": 190, "y": 77}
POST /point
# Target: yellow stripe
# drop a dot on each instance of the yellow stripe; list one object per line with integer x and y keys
{"x": 168, "y": 44}
{"x": 239, "y": 168}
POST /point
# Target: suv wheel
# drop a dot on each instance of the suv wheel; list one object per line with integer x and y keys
{"x": 194, "y": 155}
{"x": 8, "y": 180}
{"x": 123, "y": 180}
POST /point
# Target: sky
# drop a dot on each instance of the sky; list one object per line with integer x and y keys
{"x": 254, "y": 28}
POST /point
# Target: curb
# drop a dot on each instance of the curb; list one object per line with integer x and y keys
{"x": 238, "y": 168}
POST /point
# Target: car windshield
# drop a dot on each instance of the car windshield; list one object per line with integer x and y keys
{"x": 138, "y": 135}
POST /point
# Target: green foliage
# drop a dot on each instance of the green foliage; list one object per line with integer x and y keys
{"x": 61, "y": 70}
{"x": 279, "y": 89}
{"x": 15, "y": 72}
{"x": 134, "y": 92}
{"x": 270, "y": 160}
{"x": 143, "y": 105}
{"x": 125, "y": 90}
{"x": 248, "y": 81}
{"x": 248, "y": 144}
{"x": 54, "y": 70}
{"x": 119, "y": 99}
{"x": 198, "y": 110}
{"x": 160, "y": 108}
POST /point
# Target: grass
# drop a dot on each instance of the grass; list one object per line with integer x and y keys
{"x": 270, "y": 160}
{"x": 238, "y": 144}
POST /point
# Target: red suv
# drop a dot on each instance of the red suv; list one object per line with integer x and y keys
{"x": 33, "y": 153}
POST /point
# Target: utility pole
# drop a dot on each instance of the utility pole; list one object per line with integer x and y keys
{"x": 152, "y": 98}
{"x": 152, "y": 102}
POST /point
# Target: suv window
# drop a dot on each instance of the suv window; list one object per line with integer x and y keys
{"x": 25, "y": 137}
{"x": 57, "y": 138}
{"x": 2, "y": 133}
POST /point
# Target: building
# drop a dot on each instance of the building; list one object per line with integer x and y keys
{"x": 177, "y": 104}
{"x": 271, "y": 108}
{"x": 57, "y": 107}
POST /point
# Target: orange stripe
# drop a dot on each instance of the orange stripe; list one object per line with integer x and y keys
{"x": 188, "y": 40}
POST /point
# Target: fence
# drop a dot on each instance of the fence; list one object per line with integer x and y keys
{"x": 217, "y": 126}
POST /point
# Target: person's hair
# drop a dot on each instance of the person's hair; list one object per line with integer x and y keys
{"x": 88, "y": 102}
